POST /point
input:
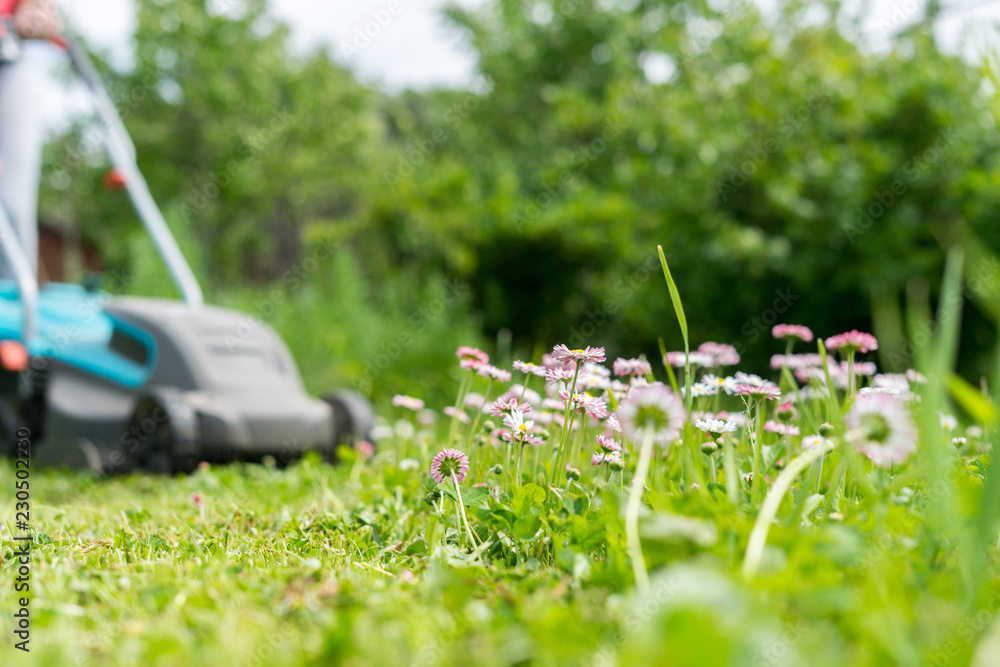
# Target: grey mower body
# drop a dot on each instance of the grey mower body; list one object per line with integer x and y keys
{"x": 217, "y": 386}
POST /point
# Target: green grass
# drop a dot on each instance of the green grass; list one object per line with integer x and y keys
{"x": 320, "y": 565}
{"x": 372, "y": 563}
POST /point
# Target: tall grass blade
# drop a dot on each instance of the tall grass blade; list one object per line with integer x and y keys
{"x": 675, "y": 297}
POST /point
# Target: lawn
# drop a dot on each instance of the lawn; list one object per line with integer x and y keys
{"x": 600, "y": 525}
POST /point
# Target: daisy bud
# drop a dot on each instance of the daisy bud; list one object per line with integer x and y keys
{"x": 709, "y": 447}
{"x": 786, "y": 412}
{"x": 572, "y": 474}
{"x": 488, "y": 426}
{"x": 826, "y": 429}
{"x": 616, "y": 464}
{"x": 779, "y": 464}
{"x": 496, "y": 470}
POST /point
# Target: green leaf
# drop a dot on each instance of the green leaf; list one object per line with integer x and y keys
{"x": 416, "y": 548}
{"x": 575, "y": 504}
{"x": 474, "y": 496}
{"x": 972, "y": 401}
{"x": 526, "y": 496}
{"x": 527, "y": 526}
{"x": 675, "y": 296}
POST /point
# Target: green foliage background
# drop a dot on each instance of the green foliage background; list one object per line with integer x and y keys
{"x": 540, "y": 191}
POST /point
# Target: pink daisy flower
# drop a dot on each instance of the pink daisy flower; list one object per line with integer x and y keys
{"x": 452, "y": 412}
{"x": 722, "y": 354}
{"x": 520, "y": 430}
{"x": 676, "y": 359}
{"x": 717, "y": 426}
{"x": 529, "y": 368}
{"x": 608, "y": 444}
{"x": 852, "y": 341}
{"x": 490, "y": 371}
{"x": 810, "y": 441}
{"x": 654, "y": 410}
{"x": 623, "y": 367}
{"x": 796, "y": 361}
{"x": 779, "y": 428}
{"x": 471, "y": 358}
{"x": 365, "y": 449}
{"x": 558, "y": 374}
{"x": 502, "y": 407}
{"x": 449, "y": 462}
{"x": 791, "y": 332}
{"x": 767, "y": 390}
{"x": 612, "y": 423}
{"x": 407, "y": 402}
{"x": 594, "y": 407}
{"x": 474, "y": 400}
{"x": 881, "y": 428}
{"x": 563, "y": 354}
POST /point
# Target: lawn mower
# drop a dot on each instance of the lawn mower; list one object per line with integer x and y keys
{"x": 122, "y": 383}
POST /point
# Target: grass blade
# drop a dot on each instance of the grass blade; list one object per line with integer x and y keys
{"x": 675, "y": 297}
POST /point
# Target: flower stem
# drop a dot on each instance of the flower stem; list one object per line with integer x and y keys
{"x": 520, "y": 457}
{"x": 850, "y": 374}
{"x": 732, "y": 474}
{"x": 479, "y": 413}
{"x": 506, "y": 468}
{"x": 758, "y": 536}
{"x": 461, "y": 510}
{"x": 758, "y": 457}
{"x": 632, "y": 513}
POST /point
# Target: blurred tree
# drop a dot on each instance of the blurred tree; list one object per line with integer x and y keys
{"x": 243, "y": 142}
{"x": 791, "y": 172}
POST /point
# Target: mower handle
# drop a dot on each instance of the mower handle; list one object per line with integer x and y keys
{"x": 122, "y": 153}
{"x": 24, "y": 275}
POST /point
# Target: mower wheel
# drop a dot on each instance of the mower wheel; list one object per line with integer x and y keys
{"x": 10, "y": 422}
{"x": 353, "y": 417}
{"x": 166, "y": 429}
